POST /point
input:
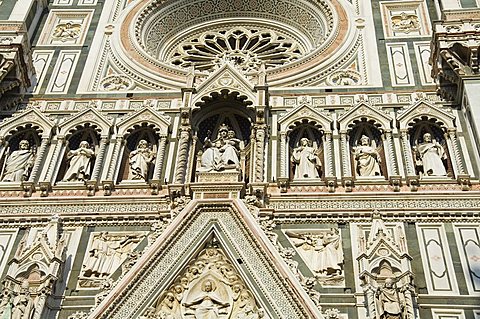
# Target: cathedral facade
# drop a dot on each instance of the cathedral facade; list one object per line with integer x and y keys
{"x": 215, "y": 159}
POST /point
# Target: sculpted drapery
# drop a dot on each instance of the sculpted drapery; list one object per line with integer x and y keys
{"x": 221, "y": 153}
{"x": 389, "y": 301}
{"x": 367, "y": 158}
{"x": 19, "y": 163}
{"x": 430, "y": 154}
{"x": 306, "y": 161}
{"x": 80, "y": 163}
{"x": 140, "y": 161}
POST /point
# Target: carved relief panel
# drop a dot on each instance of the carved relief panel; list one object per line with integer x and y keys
{"x": 322, "y": 252}
{"x": 66, "y": 27}
{"x": 105, "y": 253}
{"x": 209, "y": 287}
{"x": 405, "y": 19}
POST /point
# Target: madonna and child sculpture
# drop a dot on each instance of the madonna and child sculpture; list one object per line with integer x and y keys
{"x": 221, "y": 153}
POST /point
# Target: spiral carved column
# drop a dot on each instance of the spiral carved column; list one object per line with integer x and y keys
{"x": 346, "y": 166}
{"x": 327, "y": 140}
{"x": 390, "y": 153}
{"x": 55, "y": 157}
{"x": 160, "y": 157}
{"x": 452, "y": 135}
{"x": 99, "y": 159}
{"x": 182, "y": 156}
{"x": 40, "y": 157}
{"x": 407, "y": 153}
{"x": 259, "y": 154}
{"x": 283, "y": 155}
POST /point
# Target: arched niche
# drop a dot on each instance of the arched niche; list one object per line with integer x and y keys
{"x": 145, "y": 124}
{"x": 223, "y": 108}
{"x": 134, "y": 139}
{"x": 424, "y": 117}
{"x": 314, "y": 132}
{"x": 364, "y": 156}
{"x": 24, "y": 163}
{"x": 85, "y": 132}
{"x": 365, "y": 119}
{"x": 305, "y": 122}
{"x": 417, "y": 130}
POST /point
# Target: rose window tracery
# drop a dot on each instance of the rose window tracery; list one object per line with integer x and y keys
{"x": 247, "y": 48}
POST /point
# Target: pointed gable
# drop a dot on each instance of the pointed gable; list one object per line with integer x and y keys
{"x": 423, "y": 108}
{"x": 32, "y": 117}
{"x": 225, "y": 78}
{"x": 252, "y": 255}
{"x": 160, "y": 122}
{"x": 303, "y": 113}
{"x": 364, "y": 110}
{"x": 89, "y": 116}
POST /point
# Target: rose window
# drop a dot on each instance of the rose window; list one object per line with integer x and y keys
{"x": 247, "y": 48}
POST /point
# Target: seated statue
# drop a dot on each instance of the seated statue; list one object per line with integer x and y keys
{"x": 140, "y": 161}
{"x": 221, "y": 153}
{"x": 19, "y": 163}
{"x": 367, "y": 158}
{"x": 80, "y": 163}
{"x": 207, "y": 303}
{"x": 306, "y": 161}
{"x": 430, "y": 154}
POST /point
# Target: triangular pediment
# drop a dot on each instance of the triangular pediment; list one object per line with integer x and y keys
{"x": 424, "y": 108}
{"x": 90, "y": 116}
{"x": 146, "y": 115}
{"x": 33, "y": 117}
{"x": 229, "y": 78}
{"x": 253, "y": 259}
{"x": 302, "y": 113}
{"x": 364, "y": 110}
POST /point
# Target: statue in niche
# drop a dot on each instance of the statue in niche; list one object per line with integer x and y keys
{"x": 221, "y": 153}
{"x": 367, "y": 158}
{"x": 208, "y": 288}
{"x": 140, "y": 161}
{"x": 207, "y": 303}
{"x": 429, "y": 155}
{"x": 390, "y": 302}
{"x": 22, "y": 306}
{"x": 306, "y": 161}
{"x": 322, "y": 251}
{"x": 107, "y": 252}
{"x": 19, "y": 163}
{"x": 80, "y": 162}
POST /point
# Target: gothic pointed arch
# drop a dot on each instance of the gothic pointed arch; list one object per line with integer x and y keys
{"x": 245, "y": 245}
{"x": 90, "y": 116}
{"x": 32, "y": 118}
{"x": 146, "y": 116}
{"x": 365, "y": 111}
{"x": 301, "y": 114}
{"x": 225, "y": 79}
{"x": 425, "y": 110}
